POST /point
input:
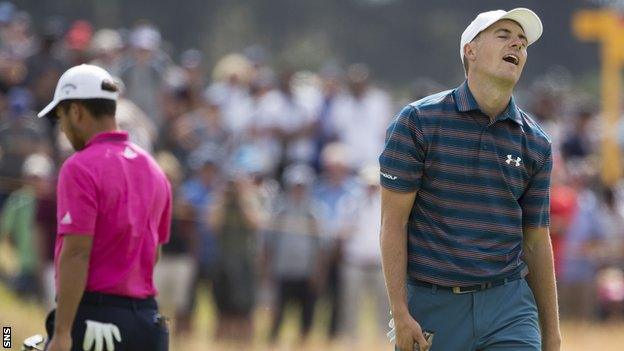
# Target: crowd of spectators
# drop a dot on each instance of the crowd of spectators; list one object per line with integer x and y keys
{"x": 275, "y": 177}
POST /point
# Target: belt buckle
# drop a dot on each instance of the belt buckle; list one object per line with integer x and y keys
{"x": 458, "y": 290}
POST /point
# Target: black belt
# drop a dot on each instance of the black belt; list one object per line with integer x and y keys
{"x": 467, "y": 289}
{"x": 93, "y": 298}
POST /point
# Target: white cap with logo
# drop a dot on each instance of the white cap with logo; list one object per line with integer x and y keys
{"x": 527, "y": 19}
{"x": 82, "y": 82}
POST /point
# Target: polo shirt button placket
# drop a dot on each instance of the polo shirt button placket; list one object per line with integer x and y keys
{"x": 484, "y": 131}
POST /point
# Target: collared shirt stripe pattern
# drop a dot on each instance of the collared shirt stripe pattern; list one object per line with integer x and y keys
{"x": 478, "y": 184}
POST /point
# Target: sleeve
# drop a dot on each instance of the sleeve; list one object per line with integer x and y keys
{"x": 535, "y": 202}
{"x": 77, "y": 200}
{"x": 402, "y": 160}
{"x": 164, "y": 228}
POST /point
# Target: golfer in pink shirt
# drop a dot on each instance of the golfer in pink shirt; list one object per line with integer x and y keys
{"x": 114, "y": 211}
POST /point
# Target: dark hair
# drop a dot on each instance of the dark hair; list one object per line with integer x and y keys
{"x": 99, "y": 108}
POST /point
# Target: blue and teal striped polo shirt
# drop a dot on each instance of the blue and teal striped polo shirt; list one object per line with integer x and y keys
{"x": 478, "y": 184}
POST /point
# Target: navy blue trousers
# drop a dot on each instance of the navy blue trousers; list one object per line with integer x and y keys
{"x": 140, "y": 325}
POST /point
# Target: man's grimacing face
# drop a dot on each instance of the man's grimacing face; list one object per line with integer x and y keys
{"x": 499, "y": 52}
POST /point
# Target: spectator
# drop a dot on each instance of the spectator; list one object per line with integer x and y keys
{"x": 367, "y": 108}
{"x": 331, "y": 88}
{"x": 20, "y": 135}
{"x": 563, "y": 208}
{"x": 141, "y": 129}
{"x": 361, "y": 268}
{"x": 610, "y": 286}
{"x": 17, "y": 37}
{"x": 199, "y": 192}
{"x": 77, "y": 42}
{"x": 18, "y": 222}
{"x": 295, "y": 250}
{"x": 230, "y": 90}
{"x": 579, "y": 142}
{"x": 235, "y": 220}
{"x": 334, "y": 189}
{"x": 191, "y": 61}
{"x": 579, "y": 258}
{"x": 200, "y": 128}
{"x": 46, "y": 227}
{"x": 173, "y": 275}
{"x": 288, "y": 111}
{"x": 142, "y": 73}
{"x": 260, "y": 131}
{"x": 106, "y": 48}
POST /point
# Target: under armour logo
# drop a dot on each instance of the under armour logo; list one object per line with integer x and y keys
{"x": 510, "y": 160}
{"x": 388, "y": 176}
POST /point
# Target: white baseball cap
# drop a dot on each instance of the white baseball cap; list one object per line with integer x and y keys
{"x": 527, "y": 19}
{"x": 81, "y": 82}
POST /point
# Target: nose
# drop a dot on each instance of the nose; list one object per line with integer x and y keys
{"x": 517, "y": 44}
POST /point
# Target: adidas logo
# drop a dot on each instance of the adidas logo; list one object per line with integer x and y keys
{"x": 129, "y": 153}
{"x": 66, "y": 219}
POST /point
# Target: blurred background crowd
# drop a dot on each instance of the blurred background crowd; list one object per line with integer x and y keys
{"x": 275, "y": 177}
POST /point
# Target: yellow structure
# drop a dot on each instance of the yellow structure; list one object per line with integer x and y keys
{"x": 606, "y": 27}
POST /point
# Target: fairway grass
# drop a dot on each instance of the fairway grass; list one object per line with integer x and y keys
{"x": 27, "y": 318}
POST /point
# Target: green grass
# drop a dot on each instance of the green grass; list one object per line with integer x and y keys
{"x": 27, "y": 318}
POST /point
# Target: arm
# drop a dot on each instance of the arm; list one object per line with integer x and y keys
{"x": 77, "y": 198}
{"x": 73, "y": 268}
{"x": 395, "y": 210}
{"x": 7, "y": 217}
{"x": 537, "y": 248}
{"x": 158, "y": 254}
{"x": 539, "y": 257}
{"x": 164, "y": 227}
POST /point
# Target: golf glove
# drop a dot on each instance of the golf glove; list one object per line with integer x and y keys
{"x": 97, "y": 333}
{"x": 392, "y": 333}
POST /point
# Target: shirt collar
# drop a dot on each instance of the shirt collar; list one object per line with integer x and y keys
{"x": 114, "y": 135}
{"x": 465, "y": 101}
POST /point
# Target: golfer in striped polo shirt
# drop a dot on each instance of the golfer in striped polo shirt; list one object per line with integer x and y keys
{"x": 465, "y": 205}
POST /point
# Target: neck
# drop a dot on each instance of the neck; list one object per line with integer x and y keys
{"x": 492, "y": 97}
{"x": 102, "y": 125}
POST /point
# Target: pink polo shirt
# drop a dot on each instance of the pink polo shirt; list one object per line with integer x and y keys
{"x": 114, "y": 191}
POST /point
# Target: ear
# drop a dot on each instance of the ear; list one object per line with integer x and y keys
{"x": 470, "y": 53}
{"x": 75, "y": 113}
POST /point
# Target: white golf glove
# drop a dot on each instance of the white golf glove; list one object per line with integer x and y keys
{"x": 392, "y": 333}
{"x": 97, "y": 333}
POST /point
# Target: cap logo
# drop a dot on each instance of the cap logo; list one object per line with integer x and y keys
{"x": 67, "y": 88}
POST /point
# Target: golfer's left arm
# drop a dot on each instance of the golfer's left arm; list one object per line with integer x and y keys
{"x": 73, "y": 269}
{"x": 539, "y": 257}
{"x": 164, "y": 228}
{"x": 158, "y": 254}
{"x": 537, "y": 248}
